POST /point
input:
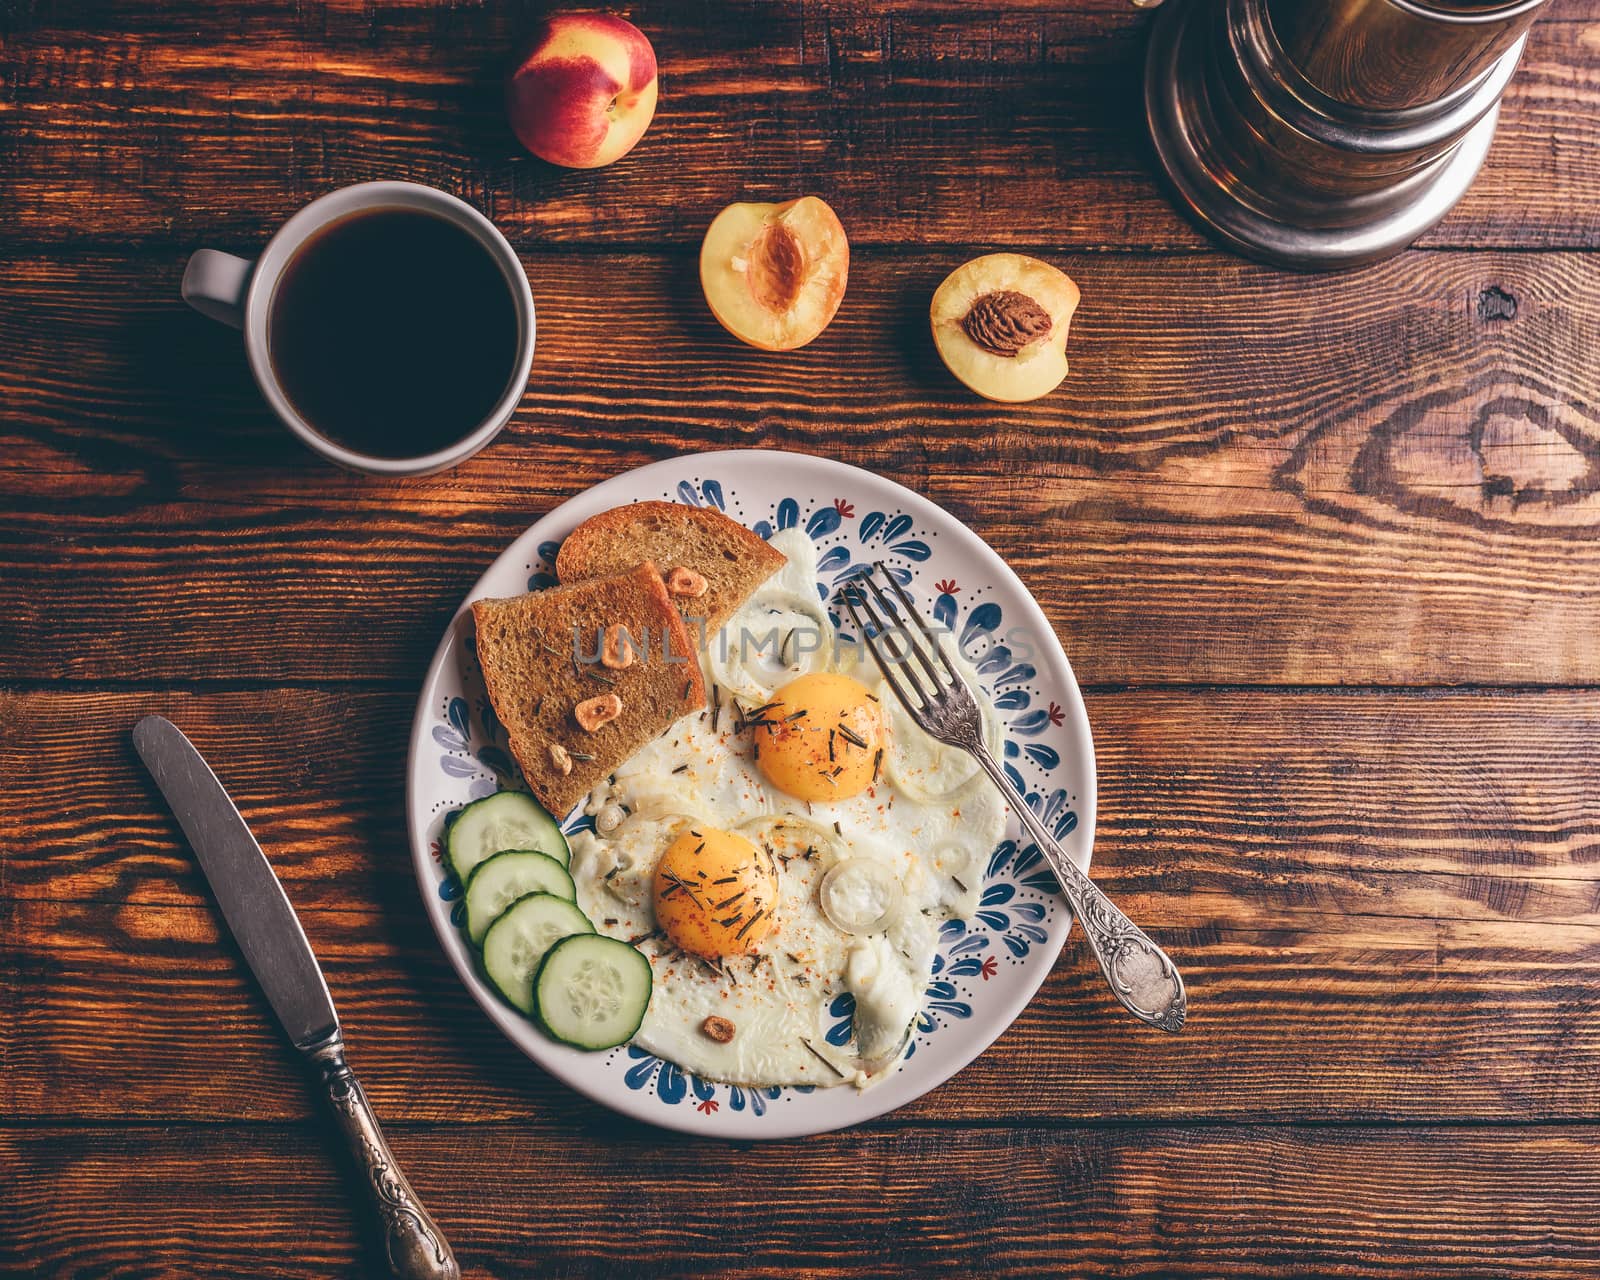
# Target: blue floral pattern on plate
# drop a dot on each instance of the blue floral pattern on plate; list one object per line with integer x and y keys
{"x": 1019, "y": 895}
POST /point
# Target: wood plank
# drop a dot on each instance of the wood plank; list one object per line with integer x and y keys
{"x": 1375, "y": 478}
{"x": 955, "y": 123}
{"x": 1202, "y": 790}
{"x": 1387, "y": 906}
{"x": 1387, "y": 901}
{"x": 1251, "y": 1202}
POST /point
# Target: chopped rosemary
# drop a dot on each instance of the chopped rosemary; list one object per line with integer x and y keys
{"x": 852, "y": 737}
{"x": 644, "y": 937}
{"x": 580, "y": 755}
{"x": 676, "y": 882}
{"x": 749, "y": 924}
{"x": 727, "y": 902}
{"x": 682, "y": 768}
{"x": 726, "y": 880}
{"x": 597, "y": 676}
{"x": 820, "y": 1058}
{"x": 877, "y": 763}
{"x": 733, "y": 920}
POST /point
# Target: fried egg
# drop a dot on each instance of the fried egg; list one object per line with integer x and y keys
{"x": 798, "y": 840}
{"x": 822, "y": 738}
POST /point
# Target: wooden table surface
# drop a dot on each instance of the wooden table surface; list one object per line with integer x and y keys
{"x": 1324, "y": 551}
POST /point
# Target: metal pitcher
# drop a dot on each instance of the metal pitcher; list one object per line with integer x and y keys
{"x": 1327, "y": 133}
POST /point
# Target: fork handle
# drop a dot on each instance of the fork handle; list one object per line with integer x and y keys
{"x": 1141, "y": 975}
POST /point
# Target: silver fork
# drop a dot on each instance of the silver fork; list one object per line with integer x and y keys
{"x": 1141, "y": 974}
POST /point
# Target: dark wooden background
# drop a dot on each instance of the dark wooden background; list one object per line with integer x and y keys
{"x": 1323, "y": 551}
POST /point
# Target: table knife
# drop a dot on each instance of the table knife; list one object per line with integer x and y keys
{"x": 275, "y": 947}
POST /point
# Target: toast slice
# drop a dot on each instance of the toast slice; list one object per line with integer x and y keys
{"x": 542, "y": 665}
{"x": 732, "y": 560}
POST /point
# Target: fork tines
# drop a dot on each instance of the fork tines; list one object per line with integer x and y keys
{"x": 898, "y": 667}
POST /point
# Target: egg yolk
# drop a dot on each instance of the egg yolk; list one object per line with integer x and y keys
{"x": 822, "y": 738}
{"x": 715, "y": 893}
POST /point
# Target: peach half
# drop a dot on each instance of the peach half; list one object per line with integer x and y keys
{"x": 583, "y": 90}
{"x": 1000, "y": 324}
{"x": 774, "y": 274}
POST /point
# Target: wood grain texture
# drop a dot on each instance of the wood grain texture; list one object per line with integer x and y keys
{"x": 1255, "y": 1201}
{"x": 1372, "y": 925}
{"x": 1387, "y": 477}
{"x": 1252, "y": 490}
{"x": 952, "y": 122}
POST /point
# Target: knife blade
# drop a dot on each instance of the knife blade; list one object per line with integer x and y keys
{"x": 252, "y": 900}
{"x": 268, "y": 932}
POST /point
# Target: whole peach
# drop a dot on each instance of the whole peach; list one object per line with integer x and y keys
{"x": 584, "y": 89}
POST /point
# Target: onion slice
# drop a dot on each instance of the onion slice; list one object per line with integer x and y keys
{"x": 861, "y": 895}
{"x": 798, "y": 638}
{"x": 792, "y": 835}
{"x": 924, "y": 768}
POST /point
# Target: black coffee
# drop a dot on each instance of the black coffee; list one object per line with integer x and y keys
{"x": 393, "y": 332}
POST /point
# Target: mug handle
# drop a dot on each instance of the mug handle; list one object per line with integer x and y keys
{"x": 215, "y": 284}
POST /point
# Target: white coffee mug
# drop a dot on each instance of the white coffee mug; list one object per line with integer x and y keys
{"x": 239, "y": 293}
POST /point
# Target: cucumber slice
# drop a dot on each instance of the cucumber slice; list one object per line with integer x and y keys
{"x": 592, "y": 991}
{"x": 502, "y": 878}
{"x": 519, "y": 937}
{"x": 505, "y": 820}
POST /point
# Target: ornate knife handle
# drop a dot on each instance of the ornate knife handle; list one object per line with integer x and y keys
{"x": 416, "y": 1247}
{"x": 1141, "y": 974}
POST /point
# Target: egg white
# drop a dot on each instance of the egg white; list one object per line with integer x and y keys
{"x": 930, "y": 820}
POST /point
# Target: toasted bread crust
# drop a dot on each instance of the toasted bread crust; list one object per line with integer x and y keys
{"x": 530, "y": 649}
{"x": 733, "y": 560}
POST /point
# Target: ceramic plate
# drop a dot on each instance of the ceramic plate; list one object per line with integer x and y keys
{"x": 987, "y": 968}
